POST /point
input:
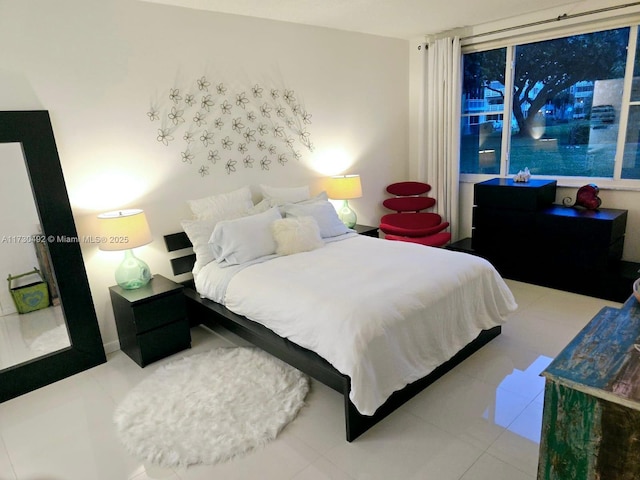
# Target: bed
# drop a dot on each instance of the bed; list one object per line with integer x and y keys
{"x": 377, "y": 321}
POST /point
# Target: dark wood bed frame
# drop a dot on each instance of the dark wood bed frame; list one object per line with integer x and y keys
{"x": 209, "y": 313}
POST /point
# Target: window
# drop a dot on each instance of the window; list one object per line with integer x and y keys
{"x": 568, "y": 106}
{"x": 482, "y": 104}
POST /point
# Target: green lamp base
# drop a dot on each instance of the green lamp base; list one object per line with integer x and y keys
{"x": 347, "y": 215}
{"x": 132, "y": 273}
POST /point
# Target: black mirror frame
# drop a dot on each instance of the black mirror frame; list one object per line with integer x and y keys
{"x": 33, "y": 130}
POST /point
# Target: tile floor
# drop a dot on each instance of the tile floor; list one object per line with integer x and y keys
{"x": 480, "y": 421}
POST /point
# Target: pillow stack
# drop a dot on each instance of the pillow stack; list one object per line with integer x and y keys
{"x": 229, "y": 229}
{"x": 207, "y": 212}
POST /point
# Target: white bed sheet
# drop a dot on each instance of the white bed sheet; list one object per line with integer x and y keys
{"x": 384, "y": 313}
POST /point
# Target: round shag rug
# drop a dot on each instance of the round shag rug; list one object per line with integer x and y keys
{"x": 210, "y": 407}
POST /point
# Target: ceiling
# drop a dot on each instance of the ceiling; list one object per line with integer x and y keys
{"x": 390, "y": 18}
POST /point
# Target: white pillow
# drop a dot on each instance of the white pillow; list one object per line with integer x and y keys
{"x": 199, "y": 232}
{"x": 281, "y": 195}
{"x": 224, "y": 204}
{"x": 296, "y": 234}
{"x": 266, "y": 204}
{"x": 234, "y": 242}
{"x": 321, "y": 197}
{"x": 260, "y": 207}
{"x": 325, "y": 215}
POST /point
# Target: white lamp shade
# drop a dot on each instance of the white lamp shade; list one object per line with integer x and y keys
{"x": 344, "y": 187}
{"x": 123, "y": 230}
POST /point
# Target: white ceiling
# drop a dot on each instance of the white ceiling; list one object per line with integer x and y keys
{"x": 391, "y": 18}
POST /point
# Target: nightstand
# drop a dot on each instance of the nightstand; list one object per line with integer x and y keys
{"x": 152, "y": 320}
{"x": 366, "y": 230}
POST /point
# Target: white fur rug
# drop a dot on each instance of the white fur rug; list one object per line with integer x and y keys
{"x": 210, "y": 407}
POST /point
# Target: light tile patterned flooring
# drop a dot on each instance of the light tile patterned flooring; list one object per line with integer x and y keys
{"x": 480, "y": 421}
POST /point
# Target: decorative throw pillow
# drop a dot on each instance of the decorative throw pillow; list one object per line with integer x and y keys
{"x": 323, "y": 212}
{"x": 223, "y": 204}
{"x": 295, "y": 235}
{"x": 234, "y": 242}
{"x": 280, "y": 195}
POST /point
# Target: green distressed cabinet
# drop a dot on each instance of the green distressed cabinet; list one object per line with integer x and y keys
{"x": 591, "y": 419}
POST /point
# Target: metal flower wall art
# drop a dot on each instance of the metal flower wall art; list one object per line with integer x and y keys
{"x": 216, "y": 129}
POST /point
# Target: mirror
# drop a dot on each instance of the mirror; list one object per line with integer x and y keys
{"x": 58, "y": 336}
{"x": 31, "y": 320}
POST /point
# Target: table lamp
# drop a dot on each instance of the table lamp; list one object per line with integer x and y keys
{"x": 126, "y": 230}
{"x": 345, "y": 187}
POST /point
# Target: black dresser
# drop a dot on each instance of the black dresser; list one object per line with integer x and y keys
{"x": 527, "y": 237}
{"x": 504, "y": 219}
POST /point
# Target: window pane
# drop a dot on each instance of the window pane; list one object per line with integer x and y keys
{"x": 631, "y": 160}
{"x": 567, "y": 101}
{"x": 635, "y": 89}
{"x": 480, "y": 146}
{"x": 482, "y": 111}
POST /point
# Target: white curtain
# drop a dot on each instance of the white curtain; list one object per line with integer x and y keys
{"x": 442, "y": 127}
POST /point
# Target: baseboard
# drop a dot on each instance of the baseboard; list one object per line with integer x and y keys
{"x": 111, "y": 347}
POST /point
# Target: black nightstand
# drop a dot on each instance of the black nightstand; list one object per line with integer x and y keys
{"x": 152, "y": 320}
{"x": 366, "y": 230}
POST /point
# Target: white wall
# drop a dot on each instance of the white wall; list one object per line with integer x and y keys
{"x": 97, "y": 66}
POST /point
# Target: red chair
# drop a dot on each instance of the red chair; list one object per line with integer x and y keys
{"x": 410, "y": 223}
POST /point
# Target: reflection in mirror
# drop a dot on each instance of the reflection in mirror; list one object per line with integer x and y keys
{"x": 31, "y": 318}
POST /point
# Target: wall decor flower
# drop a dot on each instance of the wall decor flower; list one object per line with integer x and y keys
{"x": 203, "y": 84}
{"x": 230, "y": 167}
{"x": 255, "y": 110}
{"x": 213, "y": 156}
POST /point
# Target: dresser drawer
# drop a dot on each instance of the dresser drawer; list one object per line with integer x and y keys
{"x": 579, "y": 227}
{"x": 507, "y": 194}
{"x": 163, "y": 341}
{"x": 160, "y": 311}
{"x": 503, "y": 220}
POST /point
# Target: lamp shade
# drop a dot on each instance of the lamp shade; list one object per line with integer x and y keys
{"x": 123, "y": 230}
{"x": 344, "y": 187}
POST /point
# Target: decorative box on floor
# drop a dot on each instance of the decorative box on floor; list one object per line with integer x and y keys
{"x": 29, "y": 291}
{"x": 591, "y": 419}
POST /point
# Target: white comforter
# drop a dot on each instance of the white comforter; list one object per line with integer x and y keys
{"x": 384, "y": 313}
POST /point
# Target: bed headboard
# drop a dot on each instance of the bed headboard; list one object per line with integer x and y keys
{"x": 183, "y": 263}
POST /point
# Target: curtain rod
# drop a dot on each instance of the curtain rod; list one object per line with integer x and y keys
{"x": 564, "y": 16}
